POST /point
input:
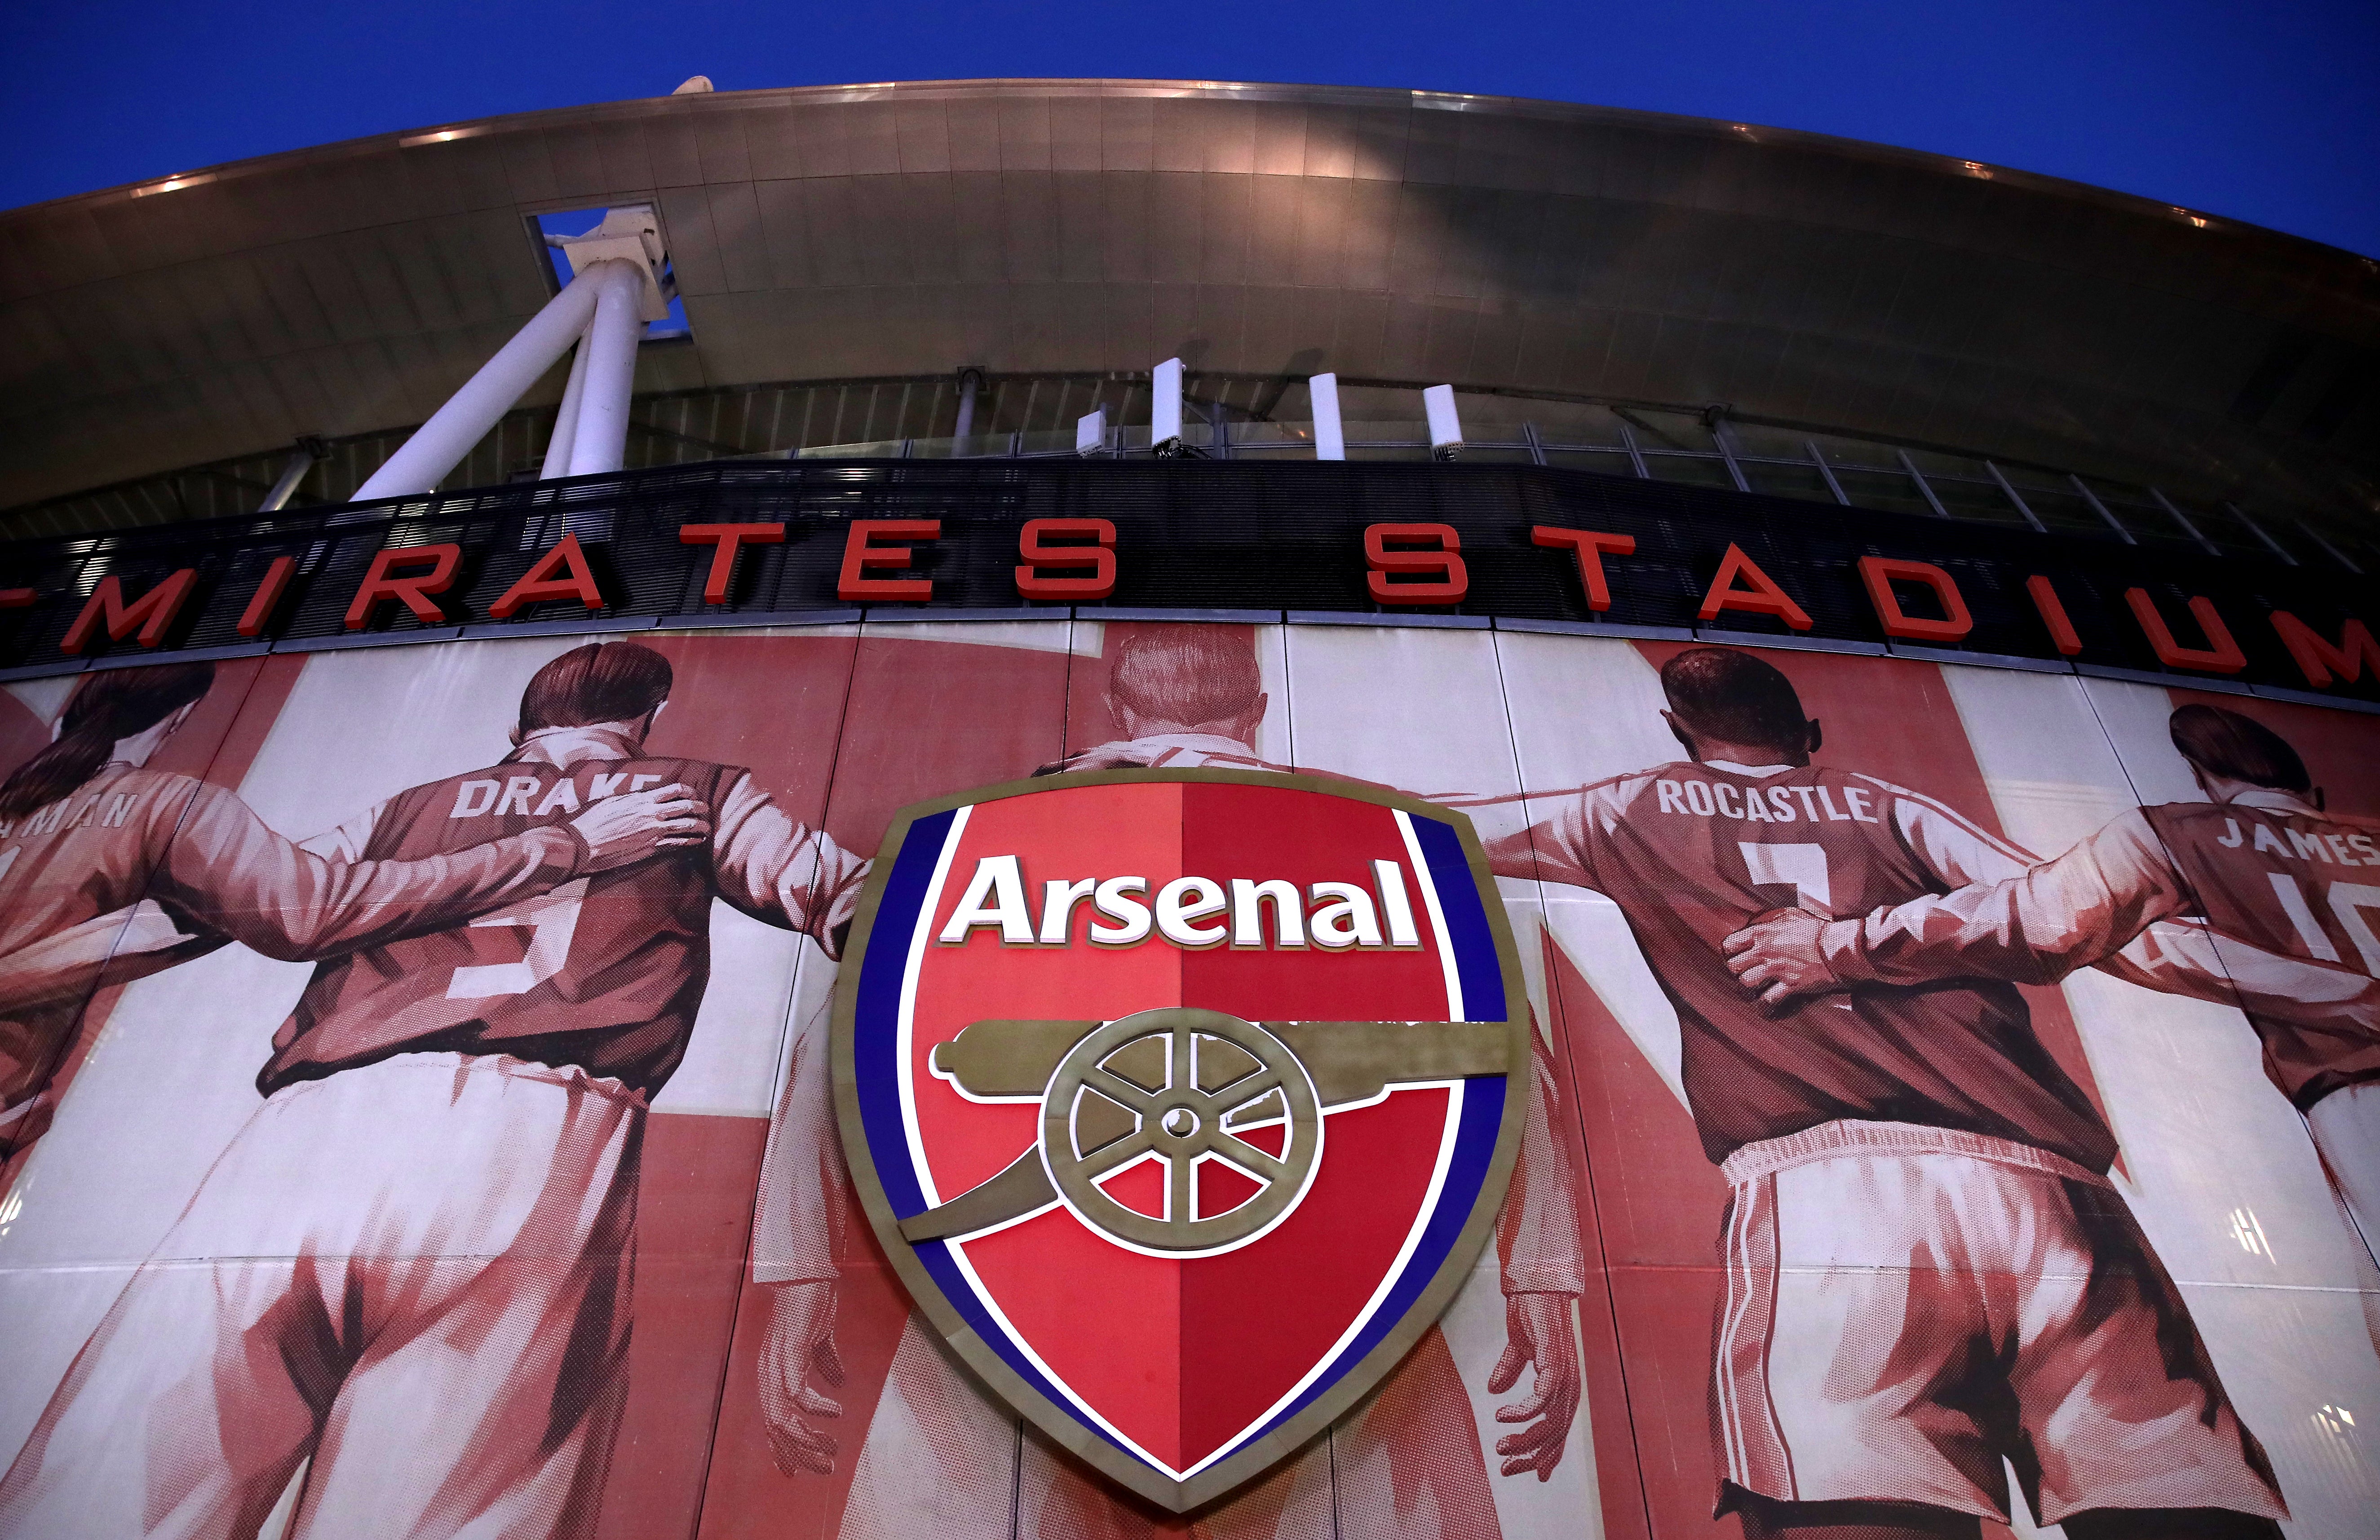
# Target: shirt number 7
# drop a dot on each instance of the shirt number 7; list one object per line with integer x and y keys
{"x": 1801, "y": 868}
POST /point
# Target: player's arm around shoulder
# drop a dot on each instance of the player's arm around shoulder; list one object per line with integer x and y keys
{"x": 2033, "y": 928}
{"x": 776, "y": 869}
{"x": 230, "y": 870}
{"x": 1954, "y": 850}
{"x": 1546, "y": 836}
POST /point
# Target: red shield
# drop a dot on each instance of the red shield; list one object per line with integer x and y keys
{"x": 1180, "y": 1099}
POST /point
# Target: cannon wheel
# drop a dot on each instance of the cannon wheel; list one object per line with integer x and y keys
{"x": 1180, "y": 1124}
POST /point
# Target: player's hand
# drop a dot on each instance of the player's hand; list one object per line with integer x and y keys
{"x": 798, "y": 1346}
{"x": 1778, "y": 956}
{"x": 1536, "y": 1331}
{"x": 621, "y": 830}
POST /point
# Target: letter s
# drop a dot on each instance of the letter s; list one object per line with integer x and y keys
{"x": 1132, "y": 922}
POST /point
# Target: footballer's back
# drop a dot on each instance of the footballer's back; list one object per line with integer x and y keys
{"x": 1693, "y": 853}
{"x": 2290, "y": 882}
{"x": 2299, "y": 884}
{"x": 604, "y": 973}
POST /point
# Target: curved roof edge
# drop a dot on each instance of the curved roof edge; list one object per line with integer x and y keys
{"x": 1510, "y": 106}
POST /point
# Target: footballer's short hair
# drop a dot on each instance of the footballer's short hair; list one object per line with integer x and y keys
{"x": 2237, "y": 748}
{"x": 618, "y": 682}
{"x": 1190, "y": 675}
{"x": 1736, "y": 696}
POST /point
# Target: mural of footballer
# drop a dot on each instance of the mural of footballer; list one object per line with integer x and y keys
{"x": 110, "y": 871}
{"x": 421, "y": 1246}
{"x": 1927, "y": 1269}
{"x": 2259, "y": 863}
{"x": 1184, "y": 696}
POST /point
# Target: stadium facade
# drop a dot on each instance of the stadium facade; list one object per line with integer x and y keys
{"x": 1105, "y": 808}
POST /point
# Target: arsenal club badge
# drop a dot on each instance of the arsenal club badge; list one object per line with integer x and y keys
{"x": 1182, "y": 1100}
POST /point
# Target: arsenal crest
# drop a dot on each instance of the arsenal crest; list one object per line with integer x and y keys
{"x": 1182, "y": 1100}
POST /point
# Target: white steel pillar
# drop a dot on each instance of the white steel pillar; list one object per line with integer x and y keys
{"x": 617, "y": 274}
{"x": 565, "y": 422}
{"x": 439, "y": 445}
{"x": 970, "y": 385}
{"x": 599, "y": 442}
{"x": 303, "y": 459}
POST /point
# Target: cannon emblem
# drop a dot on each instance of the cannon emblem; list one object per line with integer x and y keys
{"x": 1181, "y": 1086}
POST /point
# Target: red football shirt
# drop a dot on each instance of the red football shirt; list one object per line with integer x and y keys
{"x": 1691, "y": 853}
{"x": 605, "y": 972}
{"x": 2289, "y": 881}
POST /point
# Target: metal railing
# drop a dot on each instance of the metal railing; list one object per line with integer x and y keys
{"x": 1853, "y": 474}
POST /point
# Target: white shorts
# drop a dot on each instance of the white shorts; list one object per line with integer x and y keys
{"x": 417, "y": 1274}
{"x": 1908, "y": 1306}
{"x": 2346, "y": 1126}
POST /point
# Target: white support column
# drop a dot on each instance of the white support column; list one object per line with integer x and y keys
{"x": 1329, "y": 437}
{"x": 600, "y": 442}
{"x": 1091, "y": 432}
{"x": 970, "y": 385}
{"x": 301, "y": 460}
{"x": 565, "y": 421}
{"x": 439, "y": 444}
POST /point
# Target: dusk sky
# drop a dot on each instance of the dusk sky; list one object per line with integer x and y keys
{"x": 2267, "y": 112}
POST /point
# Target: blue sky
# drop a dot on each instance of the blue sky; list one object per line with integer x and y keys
{"x": 2267, "y": 112}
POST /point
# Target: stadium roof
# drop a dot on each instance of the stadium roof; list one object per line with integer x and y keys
{"x": 1059, "y": 226}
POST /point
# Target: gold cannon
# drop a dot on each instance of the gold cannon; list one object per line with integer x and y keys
{"x": 1183, "y": 1084}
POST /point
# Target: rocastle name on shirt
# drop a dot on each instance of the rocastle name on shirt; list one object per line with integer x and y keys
{"x": 1704, "y": 800}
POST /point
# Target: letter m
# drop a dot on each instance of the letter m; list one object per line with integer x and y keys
{"x": 2318, "y": 660}
{"x": 150, "y": 614}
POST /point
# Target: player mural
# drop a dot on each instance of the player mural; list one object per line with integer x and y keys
{"x": 528, "y": 1066}
{"x": 2250, "y": 865}
{"x": 1897, "y": 1152}
{"x": 103, "y": 863}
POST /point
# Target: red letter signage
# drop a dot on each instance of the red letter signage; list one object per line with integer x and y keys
{"x": 1879, "y": 573}
{"x": 1761, "y": 595}
{"x": 726, "y": 538}
{"x": 1032, "y": 546}
{"x": 2317, "y": 659}
{"x": 150, "y": 614}
{"x": 1448, "y": 581}
{"x": 861, "y": 552}
{"x": 1590, "y": 547}
{"x": 561, "y": 572}
{"x": 378, "y": 583}
{"x": 269, "y": 591}
{"x": 2220, "y": 655}
{"x": 2053, "y": 616}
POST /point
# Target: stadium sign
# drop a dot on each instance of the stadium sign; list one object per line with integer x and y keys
{"x": 809, "y": 542}
{"x": 1102, "y": 1110}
